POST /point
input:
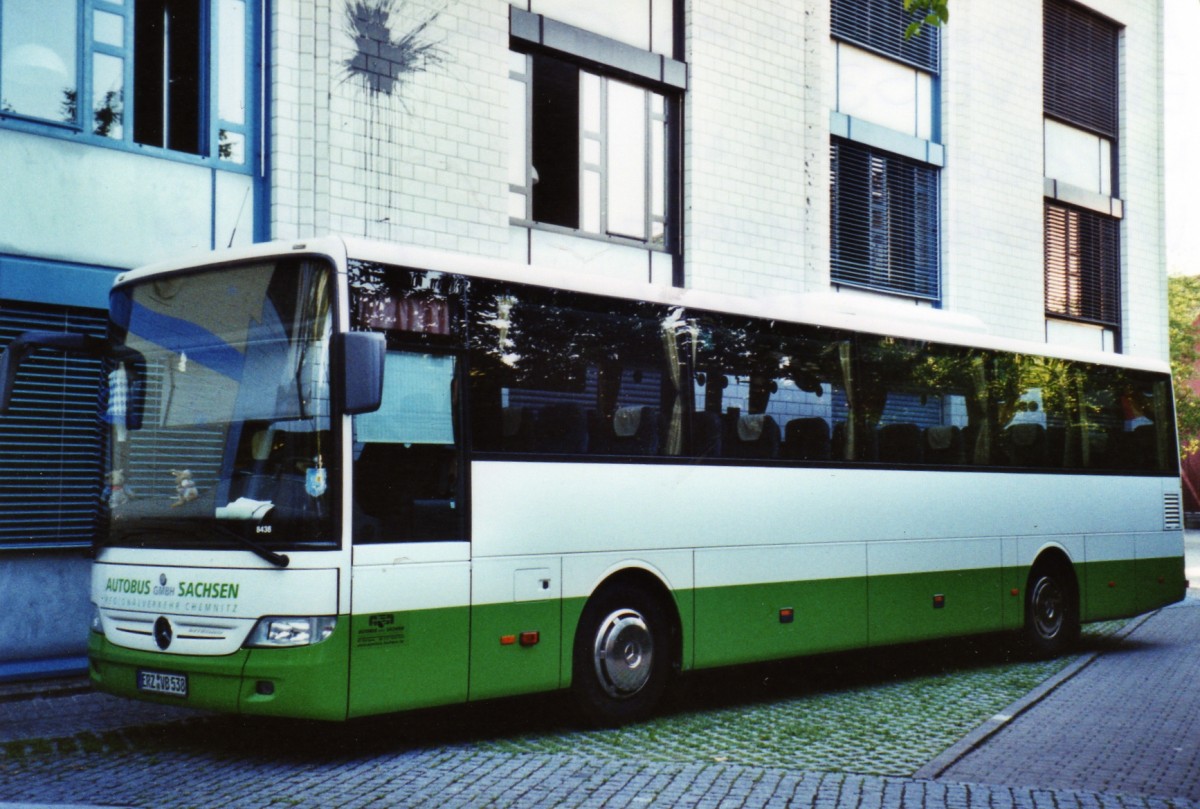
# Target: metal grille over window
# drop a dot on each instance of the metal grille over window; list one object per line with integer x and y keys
{"x": 885, "y": 216}
{"x": 1082, "y": 265}
{"x": 1080, "y": 78}
{"x": 50, "y": 442}
{"x": 879, "y": 26}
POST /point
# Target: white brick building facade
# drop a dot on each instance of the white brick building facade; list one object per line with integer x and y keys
{"x": 427, "y": 165}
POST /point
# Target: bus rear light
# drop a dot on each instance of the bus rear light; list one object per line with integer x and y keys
{"x": 787, "y": 615}
{"x": 508, "y": 640}
{"x": 275, "y": 631}
{"x": 939, "y": 601}
{"x": 530, "y": 638}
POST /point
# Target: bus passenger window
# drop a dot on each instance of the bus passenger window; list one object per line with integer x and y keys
{"x": 406, "y": 463}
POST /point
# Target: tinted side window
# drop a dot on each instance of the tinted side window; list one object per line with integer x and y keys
{"x": 557, "y": 373}
{"x": 763, "y": 390}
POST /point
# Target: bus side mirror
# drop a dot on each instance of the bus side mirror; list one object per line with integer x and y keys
{"x": 24, "y": 344}
{"x": 362, "y": 358}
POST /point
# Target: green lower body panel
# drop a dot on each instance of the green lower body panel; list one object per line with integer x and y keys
{"x": 411, "y": 659}
{"x": 306, "y": 681}
{"x": 921, "y": 606}
{"x": 1160, "y": 582}
{"x": 1123, "y": 588}
{"x": 763, "y": 621}
{"x": 1107, "y": 590}
{"x": 515, "y": 648}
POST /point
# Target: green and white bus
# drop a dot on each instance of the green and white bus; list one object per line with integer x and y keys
{"x": 348, "y": 478}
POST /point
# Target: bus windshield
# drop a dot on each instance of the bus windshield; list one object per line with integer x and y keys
{"x": 218, "y": 409}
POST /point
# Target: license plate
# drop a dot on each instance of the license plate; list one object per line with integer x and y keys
{"x": 160, "y": 682}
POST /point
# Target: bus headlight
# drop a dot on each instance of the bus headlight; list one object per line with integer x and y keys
{"x": 97, "y": 624}
{"x": 277, "y": 631}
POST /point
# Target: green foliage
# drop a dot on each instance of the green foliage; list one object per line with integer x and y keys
{"x": 926, "y": 12}
{"x": 1183, "y": 310}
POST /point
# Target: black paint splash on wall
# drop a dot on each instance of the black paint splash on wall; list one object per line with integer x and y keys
{"x": 382, "y": 59}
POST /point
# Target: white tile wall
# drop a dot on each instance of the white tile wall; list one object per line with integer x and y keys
{"x": 427, "y": 166}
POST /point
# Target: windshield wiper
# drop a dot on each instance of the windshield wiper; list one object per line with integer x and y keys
{"x": 277, "y": 559}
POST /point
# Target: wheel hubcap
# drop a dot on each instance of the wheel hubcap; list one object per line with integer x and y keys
{"x": 623, "y": 653}
{"x": 1047, "y": 607}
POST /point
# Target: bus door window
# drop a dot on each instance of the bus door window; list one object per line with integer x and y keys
{"x": 408, "y": 482}
{"x": 406, "y": 464}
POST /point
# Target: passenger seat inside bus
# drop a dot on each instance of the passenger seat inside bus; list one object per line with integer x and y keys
{"x": 807, "y": 439}
{"x": 944, "y": 445}
{"x": 630, "y": 431}
{"x": 561, "y": 429}
{"x": 900, "y": 443}
{"x": 750, "y": 435}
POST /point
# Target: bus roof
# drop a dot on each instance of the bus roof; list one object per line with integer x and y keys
{"x": 851, "y": 312}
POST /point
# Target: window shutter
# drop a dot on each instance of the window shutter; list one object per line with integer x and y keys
{"x": 878, "y": 25}
{"x": 50, "y": 440}
{"x": 1080, "y": 67}
{"x": 885, "y": 221}
{"x": 1082, "y": 265}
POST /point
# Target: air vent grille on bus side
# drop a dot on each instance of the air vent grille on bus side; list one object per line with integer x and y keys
{"x": 1172, "y": 512}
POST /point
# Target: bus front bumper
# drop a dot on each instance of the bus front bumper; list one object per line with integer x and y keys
{"x": 306, "y": 682}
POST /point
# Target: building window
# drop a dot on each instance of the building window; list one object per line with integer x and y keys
{"x": 885, "y": 213}
{"x": 163, "y": 73}
{"x": 1082, "y": 221}
{"x": 886, "y": 153}
{"x": 1083, "y": 266}
{"x": 593, "y": 124}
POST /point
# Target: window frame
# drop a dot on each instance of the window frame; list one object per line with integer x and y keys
{"x": 844, "y": 271}
{"x": 1093, "y": 293}
{"x": 209, "y": 126}
{"x": 533, "y": 36}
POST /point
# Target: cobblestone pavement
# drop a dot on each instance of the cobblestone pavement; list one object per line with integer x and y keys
{"x": 1135, "y": 749}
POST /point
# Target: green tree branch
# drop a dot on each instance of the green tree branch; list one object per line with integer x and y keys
{"x": 928, "y": 12}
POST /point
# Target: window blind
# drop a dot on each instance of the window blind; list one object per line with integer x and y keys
{"x": 1080, "y": 67}
{"x": 50, "y": 441}
{"x": 878, "y": 25}
{"x": 1082, "y": 265}
{"x": 885, "y": 221}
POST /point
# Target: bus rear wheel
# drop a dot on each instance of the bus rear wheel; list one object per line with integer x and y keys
{"x": 1051, "y": 611}
{"x": 622, "y": 656}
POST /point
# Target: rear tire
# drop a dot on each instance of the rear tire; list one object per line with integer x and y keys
{"x": 1051, "y": 610}
{"x": 622, "y": 656}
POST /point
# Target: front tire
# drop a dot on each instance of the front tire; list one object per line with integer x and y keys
{"x": 1051, "y": 611}
{"x": 622, "y": 656}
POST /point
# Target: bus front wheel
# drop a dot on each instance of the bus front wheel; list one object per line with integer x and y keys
{"x": 622, "y": 656}
{"x": 1051, "y": 610}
